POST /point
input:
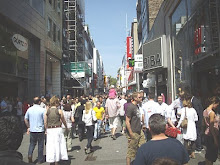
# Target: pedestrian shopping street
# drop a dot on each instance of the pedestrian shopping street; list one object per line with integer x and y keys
{"x": 107, "y": 152}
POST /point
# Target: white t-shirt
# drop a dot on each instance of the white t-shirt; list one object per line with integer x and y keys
{"x": 121, "y": 109}
{"x": 162, "y": 109}
{"x": 149, "y": 109}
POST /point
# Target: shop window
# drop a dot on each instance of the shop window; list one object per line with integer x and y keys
{"x": 54, "y": 32}
{"x": 180, "y": 42}
{"x": 49, "y": 27}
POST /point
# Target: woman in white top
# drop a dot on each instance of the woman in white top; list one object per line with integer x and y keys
{"x": 89, "y": 118}
{"x": 189, "y": 133}
{"x": 67, "y": 113}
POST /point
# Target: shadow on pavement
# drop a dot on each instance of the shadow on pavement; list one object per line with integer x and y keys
{"x": 95, "y": 148}
{"x": 76, "y": 148}
{"x": 67, "y": 162}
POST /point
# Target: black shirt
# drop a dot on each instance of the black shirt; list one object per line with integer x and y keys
{"x": 11, "y": 158}
{"x": 167, "y": 148}
{"x": 133, "y": 113}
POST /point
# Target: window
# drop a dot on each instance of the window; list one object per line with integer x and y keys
{"x": 54, "y": 32}
{"x": 58, "y": 35}
{"x": 54, "y": 4}
{"x": 58, "y": 7}
{"x": 49, "y": 27}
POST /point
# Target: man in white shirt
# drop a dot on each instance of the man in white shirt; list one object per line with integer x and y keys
{"x": 162, "y": 106}
{"x": 174, "y": 110}
{"x": 149, "y": 109}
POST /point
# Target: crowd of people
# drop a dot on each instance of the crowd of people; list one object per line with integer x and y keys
{"x": 145, "y": 122}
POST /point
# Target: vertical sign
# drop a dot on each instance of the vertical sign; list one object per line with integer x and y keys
{"x": 129, "y": 51}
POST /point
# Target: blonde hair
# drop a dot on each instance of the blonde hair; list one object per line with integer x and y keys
{"x": 54, "y": 101}
{"x": 187, "y": 103}
{"x": 88, "y": 106}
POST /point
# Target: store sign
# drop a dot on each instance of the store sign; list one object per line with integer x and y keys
{"x": 78, "y": 74}
{"x": 20, "y": 42}
{"x": 153, "y": 54}
{"x": 129, "y": 45}
{"x": 138, "y": 66}
{"x": 199, "y": 40}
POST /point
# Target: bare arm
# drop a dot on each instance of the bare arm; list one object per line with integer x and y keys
{"x": 129, "y": 126}
{"x": 28, "y": 125}
{"x": 212, "y": 129}
{"x": 62, "y": 118}
{"x": 45, "y": 120}
{"x": 170, "y": 122}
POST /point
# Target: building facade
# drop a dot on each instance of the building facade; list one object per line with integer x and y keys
{"x": 189, "y": 32}
{"x": 22, "y": 48}
{"x": 53, "y": 47}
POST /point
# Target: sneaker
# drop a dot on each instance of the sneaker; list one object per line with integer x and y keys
{"x": 114, "y": 137}
{"x": 86, "y": 150}
{"x": 198, "y": 152}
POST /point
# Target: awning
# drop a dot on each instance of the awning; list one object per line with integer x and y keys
{"x": 132, "y": 83}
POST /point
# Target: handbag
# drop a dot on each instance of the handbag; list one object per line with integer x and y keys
{"x": 185, "y": 121}
{"x": 172, "y": 132}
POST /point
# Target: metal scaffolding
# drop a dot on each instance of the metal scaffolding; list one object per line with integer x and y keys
{"x": 74, "y": 18}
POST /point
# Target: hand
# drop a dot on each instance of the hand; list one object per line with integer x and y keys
{"x": 28, "y": 131}
{"x": 132, "y": 136}
{"x": 45, "y": 132}
{"x": 144, "y": 127}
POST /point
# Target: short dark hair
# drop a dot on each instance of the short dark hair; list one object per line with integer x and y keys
{"x": 36, "y": 100}
{"x": 165, "y": 161}
{"x": 157, "y": 124}
{"x": 11, "y": 133}
{"x": 151, "y": 95}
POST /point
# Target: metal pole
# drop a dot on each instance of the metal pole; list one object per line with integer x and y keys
{"x": 138, "y": 82}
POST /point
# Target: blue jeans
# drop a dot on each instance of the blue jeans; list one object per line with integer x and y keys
{"x": 97, "y": 130}
{"x": 37, "y": 137}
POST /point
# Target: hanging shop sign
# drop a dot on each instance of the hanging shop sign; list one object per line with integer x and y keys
{"x": 154, "y": 54}
{"x": 129, "y": 50}
{"x": 20, "y": 42}
{"x": 138, "y": 66}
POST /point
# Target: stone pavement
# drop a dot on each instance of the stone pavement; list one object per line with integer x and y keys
{"x": 107, "y": 152}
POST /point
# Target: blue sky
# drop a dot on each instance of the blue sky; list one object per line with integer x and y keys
{"x": 107, "y": 24}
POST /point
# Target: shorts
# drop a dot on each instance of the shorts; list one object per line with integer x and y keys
{"x": 134, "y": 144}
{"x": 122, "y": 119}
{"x": 113, "y": 122}
{"x": 212, "y": 150}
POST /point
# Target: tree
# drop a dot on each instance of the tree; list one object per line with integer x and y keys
{"x": 113, "y": 81}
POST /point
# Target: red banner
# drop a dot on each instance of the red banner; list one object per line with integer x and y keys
{"x": 129, "y": 51}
